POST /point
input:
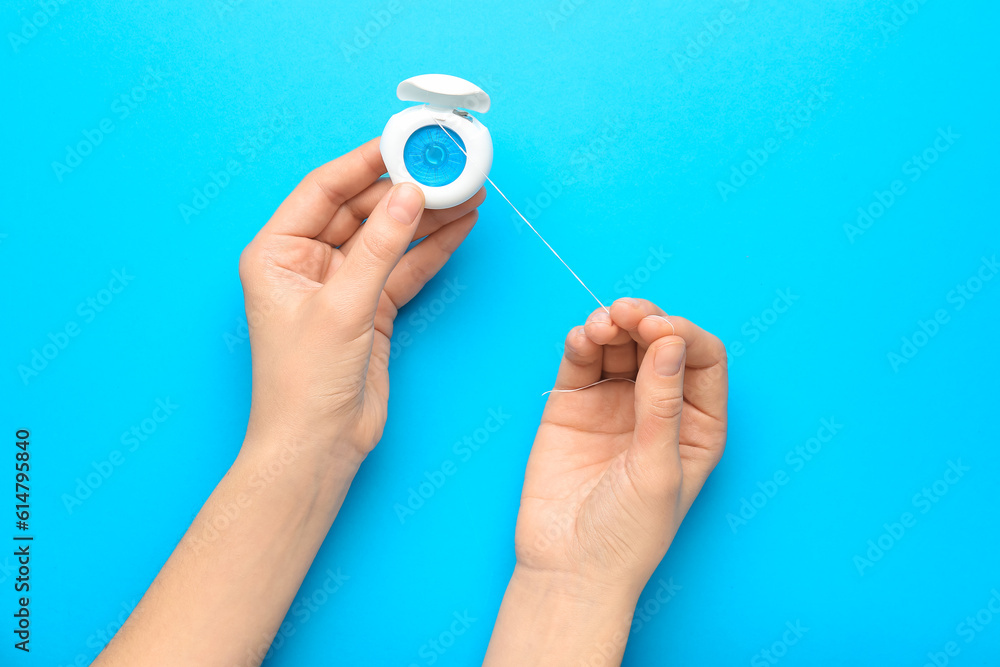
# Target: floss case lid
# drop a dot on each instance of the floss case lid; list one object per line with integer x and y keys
{"x": 444, "y": 90}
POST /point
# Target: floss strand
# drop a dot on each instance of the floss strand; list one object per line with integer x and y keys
{"x": 530, "y": 226}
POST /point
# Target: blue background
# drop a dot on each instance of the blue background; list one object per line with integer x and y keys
{"x": 613, "y": 125}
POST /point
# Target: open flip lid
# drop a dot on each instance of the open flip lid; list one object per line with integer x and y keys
{"x": 444, "y": 90}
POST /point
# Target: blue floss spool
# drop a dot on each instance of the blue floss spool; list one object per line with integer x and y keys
{"x": 431, "y": 156}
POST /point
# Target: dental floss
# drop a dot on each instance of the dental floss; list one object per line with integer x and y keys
{"x": 593, "y": 384}
{"x": 532, "y": 227}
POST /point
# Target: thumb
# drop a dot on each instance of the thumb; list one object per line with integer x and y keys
{"x": 383, "y": 239}
{"x": 659, "y": 398}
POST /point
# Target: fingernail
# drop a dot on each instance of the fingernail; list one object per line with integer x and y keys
{"x": 405, "y": 203}
{"x": 599, "y": 316}
{"x": 668, "y": 359}
{"x": 574, "y": 338}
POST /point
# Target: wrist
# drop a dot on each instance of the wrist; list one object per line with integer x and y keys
{"x": 565, "y": 588}
{"x": 316, "y": 469}
{"x": 298, "y": 432}
{"x": 554, "y": 618}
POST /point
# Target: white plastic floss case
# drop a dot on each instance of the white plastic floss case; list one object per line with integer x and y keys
{"x": 417, "y": 150}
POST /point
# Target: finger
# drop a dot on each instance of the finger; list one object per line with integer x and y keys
{"x": 659, "y": 400}
{"x": 602, "y": 330}
{"x": 430, "y": 222}
{"x": 581, "y": 362}
{"x": 619, "y": 359}
{"x": 426, "y": 258}
{"x": 706, "y": 387}
{"x": 703, "y": 349}
{"x": 336, "y": 261}
{"x": 627, "y": 313}
{"x": 349, "y": 216}
{"x": 312, "y": 204}
{"x": 381, "y": 243}
{"x": 435, "y": 219}
{"x": 384, "y": 320}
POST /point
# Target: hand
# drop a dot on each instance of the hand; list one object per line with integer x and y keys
{"x": 322, "y": 291}
{"x": 615, "y": 467}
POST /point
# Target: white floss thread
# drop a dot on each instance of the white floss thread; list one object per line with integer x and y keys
{"x": 549, "y": 246}
{"x": 673, "y": 331}
{"x": 532, "y": 227}
{"x": 593, "y": 384}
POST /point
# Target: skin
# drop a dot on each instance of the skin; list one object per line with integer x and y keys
{"x": 320, "y": 318}
{"x": 613, "y": 470}
{"x": 612, "y": 473}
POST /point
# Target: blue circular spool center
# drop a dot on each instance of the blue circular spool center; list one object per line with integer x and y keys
{"x": 434, "y": 155}
{"x": 431, "y": 156}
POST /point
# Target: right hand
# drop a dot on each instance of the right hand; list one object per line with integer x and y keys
{"x": 615, "y": 467}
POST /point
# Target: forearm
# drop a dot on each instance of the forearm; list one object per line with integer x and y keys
{"x": 222, "y": 594}
{"x": 555, "y": 620}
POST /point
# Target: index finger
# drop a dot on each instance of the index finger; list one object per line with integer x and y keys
{"x": 706, "y": 379}
{"x": 311, "y": 205}
{"x": 703, "y": 349}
